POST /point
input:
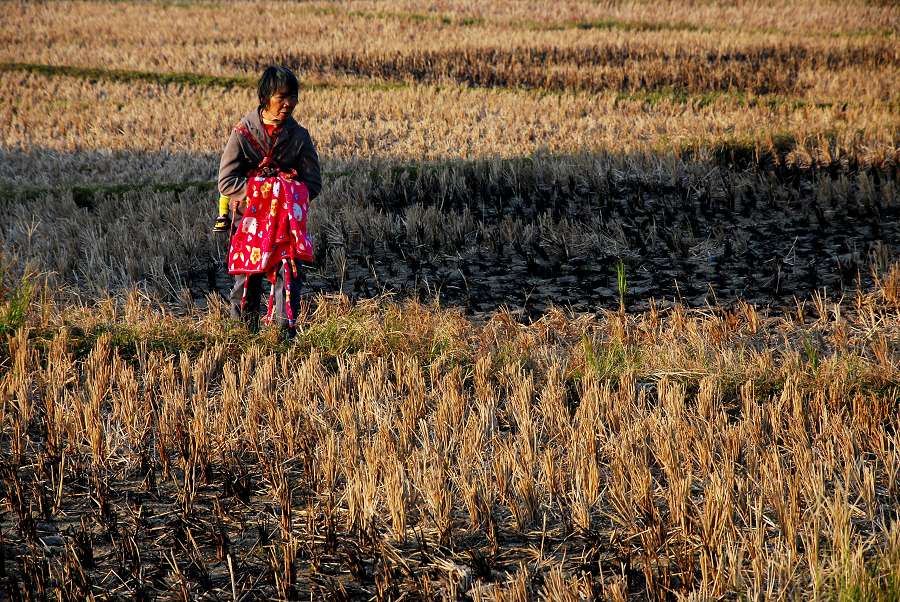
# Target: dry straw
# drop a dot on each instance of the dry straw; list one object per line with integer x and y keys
{"x": 729, "y": 456}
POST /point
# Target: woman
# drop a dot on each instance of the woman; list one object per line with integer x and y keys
{"x": 268, "y": 145}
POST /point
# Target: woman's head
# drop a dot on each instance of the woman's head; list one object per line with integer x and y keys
{"x": 277, "y": 91}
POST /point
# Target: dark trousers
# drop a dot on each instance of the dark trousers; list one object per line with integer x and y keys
{"x": 252, "y": 306}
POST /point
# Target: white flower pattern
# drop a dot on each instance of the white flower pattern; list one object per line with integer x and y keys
{"x": 249, "y": 225}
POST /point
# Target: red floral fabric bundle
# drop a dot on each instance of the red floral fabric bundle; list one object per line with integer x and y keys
{"x": 273, "y": 227}
{"x": 272, "y": 234}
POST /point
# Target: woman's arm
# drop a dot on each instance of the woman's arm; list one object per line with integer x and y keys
{"x": 233, "y": 169}
{"x": 308, "y": 169}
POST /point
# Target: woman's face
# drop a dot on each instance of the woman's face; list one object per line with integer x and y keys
{"x": 280, "y": 106}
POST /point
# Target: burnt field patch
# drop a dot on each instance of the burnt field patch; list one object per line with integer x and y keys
{"x": 529, "y": 236}
{"x": 759, "y": 69}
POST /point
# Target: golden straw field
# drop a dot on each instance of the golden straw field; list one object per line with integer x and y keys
{"x": 605, "y": 304}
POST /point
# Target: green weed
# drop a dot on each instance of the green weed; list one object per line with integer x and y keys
{"x": 609, "y": 361}
{"x": 15, "y": 307}
{"x": 873, "y": 584}
{"x": 335, "y": 335}
{"x": 622, "y": 284}
{"x": 812, "y": 353}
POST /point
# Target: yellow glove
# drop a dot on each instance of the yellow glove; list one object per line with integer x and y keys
{"x": 221, "y": 224}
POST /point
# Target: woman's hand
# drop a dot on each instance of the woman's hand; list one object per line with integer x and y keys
{"x": 237, "y": 204}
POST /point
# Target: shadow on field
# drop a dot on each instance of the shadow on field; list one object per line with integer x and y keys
{"x": 40, "y": 168}
{"x": 525, "y": 233}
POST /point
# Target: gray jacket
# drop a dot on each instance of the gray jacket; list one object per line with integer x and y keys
{"x": 294, "y": 149}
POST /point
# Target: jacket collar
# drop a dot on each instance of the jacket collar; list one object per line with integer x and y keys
{"x": 253, "y": 121}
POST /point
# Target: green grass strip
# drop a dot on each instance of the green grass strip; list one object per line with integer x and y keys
{"x": 83, "y": 195}
{"x": 673, "y": 95}
{"x": 593, "y": 24}
{"x": 610, "y": 24}
{"x": 659, "y": 26}
{"x": 178, "y": 78}
{"x": 526, "y": 24}
{"x": 398, "y": 15}
{"x": 123, "y": 75}
{"x": 735, "y": 97}
{"x": 651, "y": 98}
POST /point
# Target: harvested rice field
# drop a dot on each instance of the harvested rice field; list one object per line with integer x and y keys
{"x": 604, "y": 304}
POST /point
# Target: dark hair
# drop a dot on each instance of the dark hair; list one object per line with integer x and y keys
{"x": 276, "y": 79}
